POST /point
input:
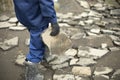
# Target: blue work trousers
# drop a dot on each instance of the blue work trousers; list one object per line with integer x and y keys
{"x": 37, "y": 47}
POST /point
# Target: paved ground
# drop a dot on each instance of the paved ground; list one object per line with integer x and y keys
{"x": 9, "y": 71}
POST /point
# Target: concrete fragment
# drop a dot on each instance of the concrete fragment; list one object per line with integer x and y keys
{"x": 73, "y": 61}
{"x": 116, "y": 75}
{"x": 6, "y": 25}
{"x": 97, "y": 30}
{"x": 9, "y": 43}
{"x": 20, "y": 59}
{"x": 86, "y": 62}
{"x": 17, "y": 28}
{"x": 61, "y": 40}
{"x": 71, "y": 52}
{"x": 4, "y": 18}
{"x": 60, "y": 66}
{"x": 13, "y": 20}
{"x": 101, "y": 77}
{"x": 81, "y": 71}
{"x": 91, "y": 52}
{"x": 84, "y": 3}
{"x": 63, "y": 77}
{"x": 102, "y": 70}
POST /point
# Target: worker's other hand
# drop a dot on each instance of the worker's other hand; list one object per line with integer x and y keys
{"x": 55, "y": 29}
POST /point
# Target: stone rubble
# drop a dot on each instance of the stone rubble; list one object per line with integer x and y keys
{"x": 90, "y": 35}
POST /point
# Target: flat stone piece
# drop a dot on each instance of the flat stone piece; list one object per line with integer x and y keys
{"x": 13, "y": 20}
{"x": 63, "y": 77}
{"x": 100, "y": 77}
{"x": 84, "y": 3}
{"x": 20, "y": 59}
{"x": 71, "y": 52}
{"x": 61, "y": 40}
{"x": 103, "y": 70}
{"x": 17, "y": 28}
{"x": 6, "y": 25}
{"x": 81, "y": 71}
{"x": 4, "y": 18}
{"x": 9, "y": 43}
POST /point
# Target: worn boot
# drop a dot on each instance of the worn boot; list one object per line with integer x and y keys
{"x": 32, "y": 71}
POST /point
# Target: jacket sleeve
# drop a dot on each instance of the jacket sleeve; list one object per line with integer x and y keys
{"x": 47, "y": 10}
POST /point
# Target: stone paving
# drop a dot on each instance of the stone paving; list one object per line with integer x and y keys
{"x": 93, "y": 33}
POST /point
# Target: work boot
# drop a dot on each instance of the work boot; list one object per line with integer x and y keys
{"x": 32, "y": 71}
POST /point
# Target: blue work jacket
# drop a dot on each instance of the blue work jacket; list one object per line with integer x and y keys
{"x": 35, "y": 13}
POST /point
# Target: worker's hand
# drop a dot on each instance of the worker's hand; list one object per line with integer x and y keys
{"x": 55, "y": 29}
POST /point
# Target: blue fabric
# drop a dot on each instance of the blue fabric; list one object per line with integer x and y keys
{"x": 37, "y": 47}
{"x": 35, "y": 15}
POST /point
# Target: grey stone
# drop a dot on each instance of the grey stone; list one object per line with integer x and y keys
{"x": 89, "y": 22}
{"x": 82, "y": 23}
{"x": 117, "y": 43}
{"x": 61, "y": 40}
{"x": 86, "y": 62}
{"x": 117, "y": 33}
{"x": 104, "y": 45}
{"x": 6, "y": 25}
{"x": 107, "y": 31}
{"x": 27, "y": 41}
{"x": 114, "y": 49}
{"x": 71, "y": 52}
{"x": 93, "y": 41}
{"x": 114, "y": 38}
{"x": 73, "y": 61}
{"x": 65, "y": 16}
{"x": 91, "y": 52}
{"x": 63, "y": 77}
{"x": 83, "y": 14}
{"x": 91, "y": 34}
{"x": 64, "y": 25}
{"x": 4, "y": 18}
{"x": 9, "y": 43}
{"x": 60, "y": 59}
{"x": 102, "y": 70}
{"x": 116, "y": 75}
{"x": 60, "y": 66}
{"x": 72, "y": 23}
{"x": 112, "y": 3}
{"x": 115, "y": 12}
{"x": 13, "y": 20}
{"x": 20, "y": 59}
{"x": 101, "y": 77}
{"x": 95, "y": 30}
{"x": 81, "y": 78}
{"x": 84, "y": 4}
{"x": 98, "y": 5}
{"x": 94, "y": 14}
{"x": 78, "y": 36}
{"x": 81, "y": 71}
{"x": 17, "y": 28}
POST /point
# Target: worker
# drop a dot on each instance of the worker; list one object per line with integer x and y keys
{"x": 36, "y": 15}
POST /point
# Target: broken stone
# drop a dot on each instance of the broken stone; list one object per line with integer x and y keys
{"x": 64, "y": 25}
{"x": 81, "y": 23}
{"x": 117, "y": 43}
{"x": 27, "y": 41}
{"x": 104, "y": 45}
{"x": 6, "y": 25}
{"x": 71, "y": 52}
{"x": 102, "y": 70}
{"x": 84, "y": 4}
{"x": 78, "y": 36}
{"x": 72, "y": 23}
{"x": 13, "y": 20}
{"x": 60, "y": 66}
{"x": 117, "y": 33}
{"x": 17, "y": 28}
{"x": 91, "y": 34}
{"x": 9, "y": 43}
{"x": 98, "y": 5}
{"x": 63, "y": 77}
{"x": 62, "y": 41}
{"x": 112, "y": 3}
{"x": 89, "y": 21}
{"x": 107, "y": 31}
{"x": 60, "y": 60}
{"x": 94, "y": 14}
{"x": 101, "y": 77}
{"x": 84, "y": 14}
{"x": 73, "y": 61}
{"x": 81, "y": 71}
{"x": 4, "y": 18}
{"x": 114, "y": 48}
{"x": 86, "y": 61}
{"x": 115, "y": 12}
{"x": 97, "y": 30}
{"x": 20, "y": 59}
{"x": 65, "y": 16}
{"x": 91, "y": 52}
{"x": 114, "y": 38}
{"x": 81, "y": 78}
{"x": 116, "y": 75}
